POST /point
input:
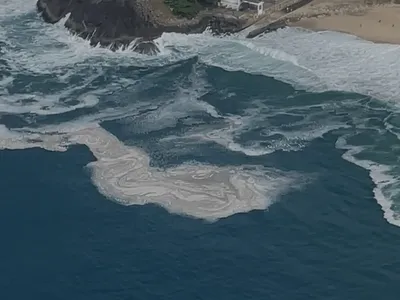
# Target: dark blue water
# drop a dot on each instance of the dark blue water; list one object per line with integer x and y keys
{"x": 323, "y": 112}
{"x": 63, "y": 240}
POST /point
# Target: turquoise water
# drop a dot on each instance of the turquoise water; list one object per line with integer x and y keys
{"x": 310, "y": 120}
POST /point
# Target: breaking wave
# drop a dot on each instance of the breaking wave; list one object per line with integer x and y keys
{"x": 56, "y": 90}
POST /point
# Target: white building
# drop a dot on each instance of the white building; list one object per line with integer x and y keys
{"x": 235, "y": 4}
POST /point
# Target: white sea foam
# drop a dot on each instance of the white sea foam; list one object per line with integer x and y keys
{"x": 286, "y": 137}
{"x": 185, "y": 102}
{"x": 41, "y": 48}
{"x": 124, "y": 174}
{"x": 387, "y": 184}
{"x": 14, "y": 140}
{"x": 42, "y": 105}
{"x": 6, "y": 81}
{"x": 223, "y": 135}
{"x": 320, "y": 60}
{"x": 46, "y": 104}
{"x": 14, "y": 8}
{"x": 315, "y": 61}
{"x": 208, "y": 192}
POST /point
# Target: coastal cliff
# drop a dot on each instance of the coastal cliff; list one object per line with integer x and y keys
{"x": 119, "y": 23}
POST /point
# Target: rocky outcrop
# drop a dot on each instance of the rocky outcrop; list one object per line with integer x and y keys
{"x": 119, "y": 23}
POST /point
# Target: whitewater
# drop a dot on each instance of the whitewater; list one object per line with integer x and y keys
{"x": 73, "y": 88}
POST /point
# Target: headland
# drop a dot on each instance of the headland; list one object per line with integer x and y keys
{"x": 123, "y": 23}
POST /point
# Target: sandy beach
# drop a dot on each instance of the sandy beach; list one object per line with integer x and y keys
{"x": 374, "y": 22}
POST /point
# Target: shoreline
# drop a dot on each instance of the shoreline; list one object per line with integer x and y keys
{"x": 374, "y": 23}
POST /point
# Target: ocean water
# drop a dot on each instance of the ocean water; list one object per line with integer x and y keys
{"x": 223, "y": 168}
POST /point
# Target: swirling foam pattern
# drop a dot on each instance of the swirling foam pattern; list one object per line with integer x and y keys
{"x": 210, "y": 192}
{"x": 59, "y": 89}
{"x": 124, "y": 174}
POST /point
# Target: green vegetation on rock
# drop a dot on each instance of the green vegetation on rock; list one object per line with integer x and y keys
{"x": 189, "y": 8}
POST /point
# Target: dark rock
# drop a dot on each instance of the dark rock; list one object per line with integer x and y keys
{"x": 146, "y": 47}
{"x": 114, "y": 24}
{"x": 54, "y": 10}
{"x": 118, "y": 23}
{"x": 220, "y": 24}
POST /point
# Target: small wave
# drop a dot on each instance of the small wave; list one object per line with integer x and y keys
{"x": 316, "y": 61}
{"x": 274, "y": 53}
{"x": 42, "y": 105}
{"x": 14, "y": 8}
{"x": 267, "y": 136}
{"x": 319, "y": 61}
{"x": 387, "y": 184}
{"x": 6, "y": 81}
{"x": 78, "y": 77}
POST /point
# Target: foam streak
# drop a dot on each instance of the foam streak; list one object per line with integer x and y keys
{"x": 123, "y": 174}
{"x": 209, "y": 192}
